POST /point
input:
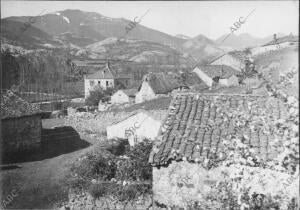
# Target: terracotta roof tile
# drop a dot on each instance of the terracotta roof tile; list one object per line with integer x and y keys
{"x": 196, "y": 125}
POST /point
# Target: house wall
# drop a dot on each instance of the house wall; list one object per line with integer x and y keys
{"x": 231, "y": 81}
{"x": 21, "y": 133}
{"x": 182, "y": 183}
{"x": 146, "y": 93}
{"x": 268, "y": 49}
{"x": 101, "y": 82}
{"x": 204, "y": 77}
{"x": 135, "y": 128}
{"x": 229, "y": 61}
{"x": 119, "y": 97}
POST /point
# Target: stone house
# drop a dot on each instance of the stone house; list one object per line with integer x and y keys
{"x": 221, "y": 74}
{"x": 123, "y": 96}
{"x": 105, "y": 78}
{"x": 21, "y": 124}
{"x": 155, "y": 85}
{"x": 135, "y": 127}
{"x": 234, "y": 59}
{"x": 192, "y": 133}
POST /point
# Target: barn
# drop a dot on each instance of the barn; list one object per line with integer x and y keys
{"x": 221, "y": 74}
{"x": 123, "y": 96}
{"x": 155, "y": 85}
{"x": 21, "y": 124}
{"x": 135, "y": 127}
{"x": 193, "y": 133}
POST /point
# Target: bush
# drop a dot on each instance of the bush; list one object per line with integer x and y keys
{"x": 98, "y": 94}
{"x": 136, "y": 167}
{"x": 95, "y": 165}
{"x": 99, "y": 190}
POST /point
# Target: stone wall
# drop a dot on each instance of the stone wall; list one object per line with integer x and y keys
{"x": 182, "y": 183}
{"x": 83, "y": 200}
{"x": 21, "y": 133}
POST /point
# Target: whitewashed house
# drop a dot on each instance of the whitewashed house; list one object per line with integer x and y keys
{"x": 105, "y": 78}
{"x": 155, "y": 85}
{"x": 234, "y": 59}
{"x": 123, "y": 96}
{"x": 221, "y": 74}
{"x": 135, "y": 128}
{"x": 276, "y": 44}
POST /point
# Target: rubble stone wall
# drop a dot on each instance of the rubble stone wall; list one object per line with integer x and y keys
{"x": 182, "y": 183}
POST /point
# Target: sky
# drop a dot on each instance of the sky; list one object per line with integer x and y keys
{"x": 191, "y": 18}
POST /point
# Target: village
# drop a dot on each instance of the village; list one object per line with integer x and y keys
{"x": 102, "y": 112}
{"x": 185, "y": 117}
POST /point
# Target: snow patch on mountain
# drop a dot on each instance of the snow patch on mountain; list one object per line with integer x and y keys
{"x": 66, "y": 19}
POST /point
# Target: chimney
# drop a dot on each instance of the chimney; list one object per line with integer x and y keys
{"x": 275, "y": 38}
{"x": 107, "y": 64}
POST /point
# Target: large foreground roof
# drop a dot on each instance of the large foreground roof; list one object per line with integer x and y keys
{"x": 197, "y": 124}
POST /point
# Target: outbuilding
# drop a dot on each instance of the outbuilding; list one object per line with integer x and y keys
{"x": 21, "y": 124}
{"x": 135, "y": 127}
{"x": 155, "y": 85}
{"x": 193, "y": 133}
{"x": 123, "y": 96}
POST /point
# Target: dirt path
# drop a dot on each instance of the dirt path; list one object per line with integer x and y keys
{"x": 38, "y": 184}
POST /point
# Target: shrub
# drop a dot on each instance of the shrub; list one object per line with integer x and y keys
{"x": 136, "y": 167}
{"x": 99, "y": 190}
{"x": 98, "y": 94}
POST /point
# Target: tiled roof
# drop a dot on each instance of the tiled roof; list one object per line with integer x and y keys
{"x": 14, "y": 106}
{"x": 221, "y": 71}
{"x": 130, "y": 92}
{"x": 161, "y": 83}
{"x": 195, "y": 126}
{"x": 240, "y": 55}
{"x": 108, "y": 73}
{"x": 105, "y": 73}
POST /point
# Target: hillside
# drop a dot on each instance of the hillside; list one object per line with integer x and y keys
{"x": 31, "y": 38}
{"x": 280, "y": 63}
{"x": 202, "y": 48}
{"x": 39, "y": 71}
{"x": 133, "y": 50}
{"x": 243, "y": 40}
{"x": 89, "y": 27}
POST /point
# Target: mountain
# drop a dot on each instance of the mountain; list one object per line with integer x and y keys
{"x": 133, "y": 50}
{"x": 242, "y": 40}
{"x": 84, "y": 28}
{"x": 32, "y": 37}
{"x": 181, "y": 36}
{"x": 202, "y": 49}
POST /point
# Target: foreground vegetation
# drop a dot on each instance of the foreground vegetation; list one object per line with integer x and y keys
{"x": 123, "y": 174}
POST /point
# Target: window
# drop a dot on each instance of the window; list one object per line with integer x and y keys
{"x": 91, "y": 82}
{"x": 98, "y": 82}
{"x": 106, "y": 83}
{"x": 126, "y": 82}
